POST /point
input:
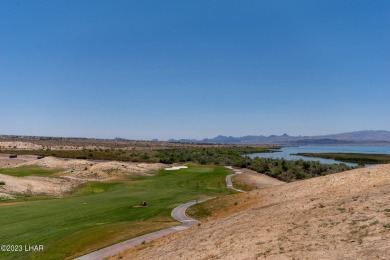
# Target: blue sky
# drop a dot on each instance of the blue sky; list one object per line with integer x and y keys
{"x": 193, "y": 69}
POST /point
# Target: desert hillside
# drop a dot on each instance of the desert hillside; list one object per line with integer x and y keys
{"x": 339, "y": 216}
{"x": 71, "y": 173}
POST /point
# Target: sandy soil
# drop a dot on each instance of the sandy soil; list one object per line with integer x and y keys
{"x": 98, "y": 170}
{"x": 6, "y": 196}
{"x": 20, "y": 145}
{"x": 5, "y": 161}
{"x": 339, "y": 216}
{"x": 74, "y": 172}
{"x": 253, "y": 180}
{"x": 32, "y": 185}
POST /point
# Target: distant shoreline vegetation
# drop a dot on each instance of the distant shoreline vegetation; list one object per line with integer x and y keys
{"x": 281, "y": 169}
{"x": 360, "y": 158}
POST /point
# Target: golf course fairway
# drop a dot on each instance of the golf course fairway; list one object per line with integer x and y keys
{"x": 103, "y": 213}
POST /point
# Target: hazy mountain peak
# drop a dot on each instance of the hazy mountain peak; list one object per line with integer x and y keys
{"x": 356, "y": 137}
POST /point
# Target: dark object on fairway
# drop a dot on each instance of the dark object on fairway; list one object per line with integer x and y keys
{"x": 40, "y": 157}
{"x": 13, "y": 156}
{"x": 143, "y": 204}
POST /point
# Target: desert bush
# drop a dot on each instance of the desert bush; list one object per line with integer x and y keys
{"x": 281, "y": 169}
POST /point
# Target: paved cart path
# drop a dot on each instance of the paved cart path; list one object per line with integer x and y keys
{"x": 229, "y": 183}
{"x": 178, "y": 213}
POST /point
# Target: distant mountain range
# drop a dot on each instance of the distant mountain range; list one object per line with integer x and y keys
{"x": 366, "y": 137}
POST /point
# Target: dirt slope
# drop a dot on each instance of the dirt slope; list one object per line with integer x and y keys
{"x": 92, "y": 169}
{"x": 339, "y": 216}
{"x": 253, "y": 180}
{"x": 74, "y": 172}
{"x": 34, "y": 185}
{"x": 6, "y": 162}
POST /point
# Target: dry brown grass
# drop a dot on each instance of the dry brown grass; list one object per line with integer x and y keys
{"x": 339, "y": 216}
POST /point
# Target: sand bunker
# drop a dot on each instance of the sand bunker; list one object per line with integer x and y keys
{"x": 175, "y": 168}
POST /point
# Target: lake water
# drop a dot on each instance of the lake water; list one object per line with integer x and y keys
{"x": 286, "y": 152}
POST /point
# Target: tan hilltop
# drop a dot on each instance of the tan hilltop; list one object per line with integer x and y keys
{"x": 339, "y": 216}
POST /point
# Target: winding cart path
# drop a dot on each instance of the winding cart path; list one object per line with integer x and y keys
{"x": 178, "y": 213}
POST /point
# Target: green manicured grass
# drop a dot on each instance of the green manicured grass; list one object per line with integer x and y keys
{"x": 29, "y": 171}
{"x": 94, "y": 188}
{"x": 351, "y": 157}
{"x": 100, "y": 214}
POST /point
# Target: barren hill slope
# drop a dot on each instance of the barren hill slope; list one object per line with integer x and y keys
{"x": 339, "y": 216}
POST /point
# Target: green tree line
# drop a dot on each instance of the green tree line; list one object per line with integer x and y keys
{"x": 281, "y": 169}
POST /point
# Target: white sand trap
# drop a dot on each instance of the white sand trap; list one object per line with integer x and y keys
{"x": 176, "y": 168}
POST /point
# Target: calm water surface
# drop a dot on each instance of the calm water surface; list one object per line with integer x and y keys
{"x": 286, "y": 152}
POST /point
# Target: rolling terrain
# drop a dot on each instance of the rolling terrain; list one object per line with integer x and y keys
{"x": 100, "y": 199}
{"x": 97, "y": 213}
{"x": 339, "y": 216}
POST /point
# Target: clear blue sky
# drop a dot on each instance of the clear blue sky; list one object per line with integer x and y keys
{"x": 193, "y": 69}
